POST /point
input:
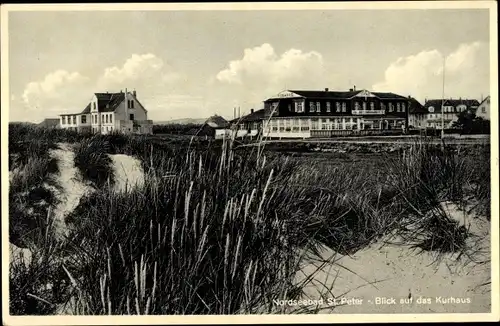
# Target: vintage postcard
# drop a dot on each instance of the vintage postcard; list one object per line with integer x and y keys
{"x": 249, "y": 162}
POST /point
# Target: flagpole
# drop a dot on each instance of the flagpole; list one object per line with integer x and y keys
{"x": 442, "y": 102}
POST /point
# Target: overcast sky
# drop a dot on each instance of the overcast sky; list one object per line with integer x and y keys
{"x": 197, "y": 63}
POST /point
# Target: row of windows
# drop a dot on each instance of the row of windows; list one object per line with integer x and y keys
{"x": 106, "y": 118}
{"x": 70, "y": 119}
{"x": 450, "y": 109}
{"x": 130, "y": 105}
{"x": 327, "y": 124}
{"x": 342, "y": 106}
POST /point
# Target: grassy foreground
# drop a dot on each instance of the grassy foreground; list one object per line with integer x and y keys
{"x": 215, "y": 230}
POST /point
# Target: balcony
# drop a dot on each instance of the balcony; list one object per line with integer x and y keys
{"x": 367, "y": 112}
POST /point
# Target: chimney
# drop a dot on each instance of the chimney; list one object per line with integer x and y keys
{"x": 326, "y": 89}
{"x": 350, "y": 89}
{"x": 126, "y": 105}
{"x": 234, "y": 113}
{"x": 134, "y": 93}
{"x": 251, "y": 110}
{"x": 354, "y": 87}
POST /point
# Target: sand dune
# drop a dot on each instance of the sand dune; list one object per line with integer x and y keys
{"x": 377, "y": 278}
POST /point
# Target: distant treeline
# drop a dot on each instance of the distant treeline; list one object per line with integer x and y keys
{"x": 178, "y": 129}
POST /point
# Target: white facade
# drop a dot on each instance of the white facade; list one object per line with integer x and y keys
{"x": 129, "y": 116}
{"x": 483, "y": 110}
{"x": 289, "y": 127}
{"x": 417, "y": 120}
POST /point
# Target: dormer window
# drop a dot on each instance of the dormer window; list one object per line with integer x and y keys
{"x": 431, "y": 109}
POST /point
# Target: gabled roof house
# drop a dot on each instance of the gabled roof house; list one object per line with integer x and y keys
{"x": 110, "y": 112}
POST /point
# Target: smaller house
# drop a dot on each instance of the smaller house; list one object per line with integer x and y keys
{"x": 483, "y": 110}
{"x": 214, "y": 127}
{"x": 450, "y": 107}
{"x": 109, "y": 112}
{"x": 417, "y": 114}
{"x": 49, "y": 123}
{"x": 250, "y": 124}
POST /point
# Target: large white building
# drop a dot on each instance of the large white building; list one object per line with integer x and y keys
{"x": 109, "y": 112}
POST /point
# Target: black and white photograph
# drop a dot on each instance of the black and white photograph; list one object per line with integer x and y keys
{"x": 292, "y": 161}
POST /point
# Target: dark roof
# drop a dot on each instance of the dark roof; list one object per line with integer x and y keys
{"x": 343, "y": 94}
{"x": 216, "y": 121}
{"x": 386, "y": 95}
{"x": 108, "y": 102}
{"x": 436, "y": 103}
{"x": 325, "y": 94}
{"x": 416, "y": 107}
{"x": 254, "y": 116}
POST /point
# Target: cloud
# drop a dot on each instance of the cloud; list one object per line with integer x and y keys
{"x": 421, "y": 75}
{"x": 137, "y": 67}
{"x": 52, "y": 93}
{"x": 62, "y": 91}
{"x": 262, "y": 72}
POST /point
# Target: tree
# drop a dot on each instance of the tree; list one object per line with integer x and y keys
{"x": 469, "y": 123}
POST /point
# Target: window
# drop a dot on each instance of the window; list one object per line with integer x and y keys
{"x": 84, "y": 119}
{"x": 107, "y": 118}
{"x": 398, "y": 107}
{"x": 403, "y": 107}
{"x": 318, "y": 107}
{"x": 328, "y": 108}
{"x": 131, "y": 104}
{"x": 312, "y": 107}
{"x": 295, "y": 125}
{"x": 344, "y": 107}
{"x": 372, "y": 106}
{"x": 282, "y": 125}
{"x": 431, "y": 109}
{"x": 483, "y": 110}
{"x": 111, "y": 118}
{"x": 131, "y": 116}
{"x": 314, "y": 124}
{"x": 63, "y": 120}
{"x": 299, "y": 106}
{"x": 337, "y": 106}
{"x": 356, "y": 106}
{"x": 93, "y": 106}
{"x": 364, "y": 106}
{"x": 391, "y": 108}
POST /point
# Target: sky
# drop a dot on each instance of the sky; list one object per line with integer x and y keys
{"x": 199, "y": 63}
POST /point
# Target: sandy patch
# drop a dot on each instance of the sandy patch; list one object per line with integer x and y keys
{"x": 406, "y": 281}
{"x": 19, "y": 254}
{"x": 72, "y": 189}
{"x": 127, "y": 171}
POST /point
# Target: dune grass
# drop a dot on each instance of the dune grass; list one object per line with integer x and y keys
{"x": 215, "y": 230}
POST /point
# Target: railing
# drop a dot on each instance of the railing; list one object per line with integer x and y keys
{"x": 372, "y": 132}
{"x": 359, "y": 112}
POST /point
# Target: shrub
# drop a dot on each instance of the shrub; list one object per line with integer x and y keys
{"x": 93, "y": 162}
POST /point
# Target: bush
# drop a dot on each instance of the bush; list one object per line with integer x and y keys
{"x": 93, "y": 161}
